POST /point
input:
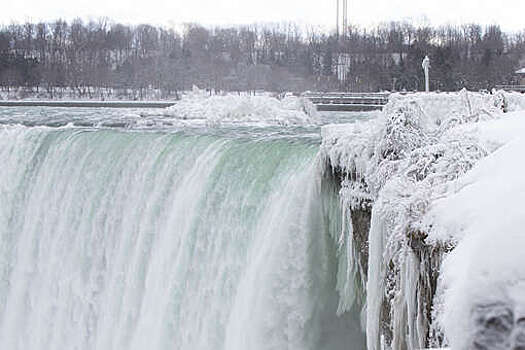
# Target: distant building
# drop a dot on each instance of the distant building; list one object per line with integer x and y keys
{"x": 398, "y": 58}
{"x": 521, "y": 76}
{"x": 344, "y": 62}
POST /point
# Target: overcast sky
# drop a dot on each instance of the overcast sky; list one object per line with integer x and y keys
{"x": 510, "y": 14}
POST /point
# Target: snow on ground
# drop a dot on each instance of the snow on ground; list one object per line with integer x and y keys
{"x": 447, "y": 166}
{"x": 483, "y": 211}
{"x": 215, "y": 110}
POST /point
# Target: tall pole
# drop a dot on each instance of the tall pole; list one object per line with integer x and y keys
{"x": 345, "y": 17}
{"x": 337, "y": 20}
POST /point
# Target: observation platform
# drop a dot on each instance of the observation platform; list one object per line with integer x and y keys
{"x": 516, "y": 88}
{"x": 347, "y": 101}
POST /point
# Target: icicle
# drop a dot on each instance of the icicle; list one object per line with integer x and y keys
{"x": 375, "y": 285}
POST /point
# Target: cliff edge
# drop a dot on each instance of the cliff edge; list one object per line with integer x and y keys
{"x": 432, "y": 233}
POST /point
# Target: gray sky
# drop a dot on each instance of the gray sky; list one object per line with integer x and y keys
{"x": 510, "y": 14}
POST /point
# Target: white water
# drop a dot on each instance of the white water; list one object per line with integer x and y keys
{"x": 115, "y": 239}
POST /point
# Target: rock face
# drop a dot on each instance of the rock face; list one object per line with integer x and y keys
{"x": 497, "y": 326}
{"x": 426, "y": 259}
{"x": 392, "y": 169}
{"x": 361, "y": 224}
{"x": 494, "y": 324}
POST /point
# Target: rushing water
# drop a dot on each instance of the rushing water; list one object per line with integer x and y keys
{"x": 124, "y": 232}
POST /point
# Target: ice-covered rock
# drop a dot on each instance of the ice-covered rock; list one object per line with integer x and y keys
{"x": 483, "y": 280}
{"x": 418, "y": 153}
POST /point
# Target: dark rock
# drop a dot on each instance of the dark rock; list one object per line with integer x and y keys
{"x": 493, "y": 326}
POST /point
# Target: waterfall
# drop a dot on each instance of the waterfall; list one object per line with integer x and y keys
{"x": 133, "y": 239}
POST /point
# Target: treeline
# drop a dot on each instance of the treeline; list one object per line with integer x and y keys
{"x": 100, "y": 54}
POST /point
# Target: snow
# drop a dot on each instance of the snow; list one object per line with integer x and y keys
{"x": 216, "y": 110}
{"x": 497, "y": 137}
{"x": 443, "y": 165}
{"x": 484, "y": 212}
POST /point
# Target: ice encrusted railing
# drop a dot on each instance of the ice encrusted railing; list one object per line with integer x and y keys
{"x": 391, "y": 169}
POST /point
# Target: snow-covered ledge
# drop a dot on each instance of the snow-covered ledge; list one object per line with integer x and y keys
{"x": 440, "y": 179}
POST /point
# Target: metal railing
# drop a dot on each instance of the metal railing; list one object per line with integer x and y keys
{"x": 517, "y": 88}
{"x": 344, "y": 101}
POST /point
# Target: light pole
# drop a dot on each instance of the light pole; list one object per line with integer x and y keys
{"x": 426, "y": 67}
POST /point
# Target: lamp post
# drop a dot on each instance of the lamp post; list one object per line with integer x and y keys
{"x": 426, "y": 66}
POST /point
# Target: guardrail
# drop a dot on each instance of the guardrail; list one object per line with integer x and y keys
{"x": 340, "y": 101}
{"x": 517, "y": 88}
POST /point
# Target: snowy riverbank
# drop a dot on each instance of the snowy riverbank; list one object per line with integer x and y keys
{"x": 198, "y": 107}
{"x": 93, "y": 93}
{"x": 440, "y": 178}
{"x": 87, "y": 93}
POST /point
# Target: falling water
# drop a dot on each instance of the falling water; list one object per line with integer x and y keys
{"x": 113, "y": 238}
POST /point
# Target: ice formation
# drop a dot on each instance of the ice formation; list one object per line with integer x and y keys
{"x": 265, "y": 110}
{"x": 424, "y": 172}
